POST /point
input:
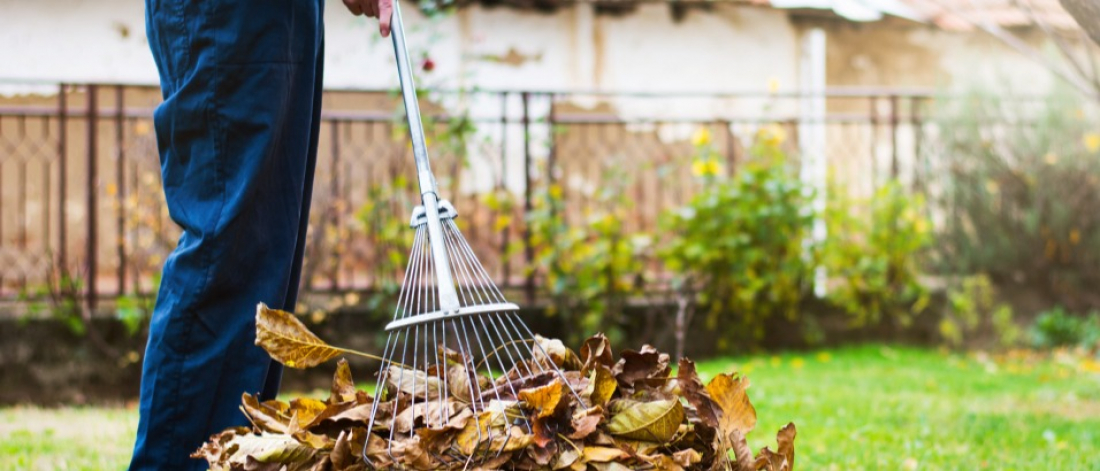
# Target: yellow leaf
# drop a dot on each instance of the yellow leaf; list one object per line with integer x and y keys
{"x": 289, "y": 342}
{"x": 655, "y": 421}
{"x": 737, "y": 412}
{"x": 601, "y": 386}
{"x": 544, "y": 399}
{"x": 602, "y": 454}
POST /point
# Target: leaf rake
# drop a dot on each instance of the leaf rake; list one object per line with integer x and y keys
{"x": 454, "y": 336}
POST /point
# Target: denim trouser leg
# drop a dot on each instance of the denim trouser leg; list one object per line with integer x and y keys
{"x": 237, "y": 137}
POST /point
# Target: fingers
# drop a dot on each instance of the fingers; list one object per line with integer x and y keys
{"x": 353, "y": 7}
{"x": 381, "y": 9}
{"x": 370, "y": 8}
{"x": 385, "y": 14}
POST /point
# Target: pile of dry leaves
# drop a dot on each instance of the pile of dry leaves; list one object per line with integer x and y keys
{"x": 635, "y": 415}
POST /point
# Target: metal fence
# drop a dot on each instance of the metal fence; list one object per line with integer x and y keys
{"x": 80, "y": 193}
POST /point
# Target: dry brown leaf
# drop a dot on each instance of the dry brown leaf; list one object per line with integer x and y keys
{"x": 696, "y": 394}
{"x": 560, "y": 355}
{"x": 741, "y": 452}
{"x": 737, "y": 412}
{"x": 655, "y": 421}
{"x": 782, "y": 460}
{"x": 267, "y": 448}
{"x": 477, "y": 432}
{"x": 596, "y": 351}
{"x": 585, "y": 422}
{"x": 289, "y": 342}
{"x": 343, "y": 387}
{"x": 432, "y": 413}
{"x": 440, "y": 438}
{"x": 408, "y": 452}
{"x": 647, "y": 366}
{"x": 566, "y": 458}
{"x": 414, "y": 382}
{"x": 611, "y": 466}
{"x": 341, "y": 455}
{"x": 263, "y": 416}
{"x": 543, "y": 400}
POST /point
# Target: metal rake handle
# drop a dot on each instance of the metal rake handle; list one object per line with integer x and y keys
{"x": 429, "y": 193}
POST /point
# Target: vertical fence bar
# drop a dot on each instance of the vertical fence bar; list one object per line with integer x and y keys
{"x": 334, "y": 149}
{"x": 528, "y": 247}
{"x": 918, "y": 135}
{"x": 120, "y": 183}
{"x": 731, "y": 146}
{"x": 874, "y": 139}
{"x": 894, "y": 136}
{"x": 62, "y": 171}
{"x": 92, "y": 114}
{"x": 21, "y": 180}
{"x": 505, "y": 267}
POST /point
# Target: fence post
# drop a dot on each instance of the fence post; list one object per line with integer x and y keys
{"x": 335, "y": 205}
{"x": 528, "y": 248}
{"x": 120, "y": 183}
{"x": 62, "y": 170}
{"x": 894, "y": 136}
{"x": 918, "y": 134}
{"x": 506, "y": 271}
{"x": 92, "y": 114}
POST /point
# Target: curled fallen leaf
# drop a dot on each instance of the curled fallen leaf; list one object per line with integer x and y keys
{"x": 655, "y": 421}
{"x": 729, "y": 392}
{"x": 289, "y": 342}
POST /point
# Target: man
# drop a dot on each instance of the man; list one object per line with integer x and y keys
{"x": 237, "y": 137}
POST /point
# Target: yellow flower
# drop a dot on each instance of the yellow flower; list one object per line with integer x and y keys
{"x": 824, "y": 357}
{"x": 775, "y": 361}
{"x": 798, "y": 363}
{"x": 701, "y": 137}
{"x": 771, "y": 135}
{"x": 992, "y": 187}
{"x": 555, "y": 191}
{"x": 1051, "y": 158}
{"x": 773, "y": 85}
{"x": 705, "y": 167}
{"x": 1092, "y": 141}
{"x": 502, "y": 222}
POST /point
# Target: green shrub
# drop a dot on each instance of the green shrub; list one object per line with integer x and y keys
{"x": 972, "y": 309}
{"x": 1058, "y": 328}
{"x": 739, "y": 242}
{"x": 871, "y": 252}
{"x": 588, "y": 270}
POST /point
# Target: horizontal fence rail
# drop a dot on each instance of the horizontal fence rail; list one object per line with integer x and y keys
{"x": 81, "y": 203}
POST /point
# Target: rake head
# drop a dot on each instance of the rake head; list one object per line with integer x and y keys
{"x": 441, "y": 356}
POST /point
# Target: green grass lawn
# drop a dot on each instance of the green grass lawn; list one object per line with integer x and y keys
{"x": 855, "y": 408}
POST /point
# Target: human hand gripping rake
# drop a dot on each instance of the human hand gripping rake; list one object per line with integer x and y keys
{"x": 452, "y": 326}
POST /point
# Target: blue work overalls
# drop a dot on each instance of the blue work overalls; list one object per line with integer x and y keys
{"x": 237, "y": 136}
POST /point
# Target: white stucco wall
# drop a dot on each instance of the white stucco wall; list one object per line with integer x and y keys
{"x": 729, "y": 48}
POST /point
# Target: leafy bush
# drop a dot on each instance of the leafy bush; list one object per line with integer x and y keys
{"x": 740, "y": 241}
{"x": 972, "y": 308}
{"x": 1018, "y": 197}
{"x": 589, "y": 270}
{"x": 872, "y": 258}
{"x": 1058, "y": 328}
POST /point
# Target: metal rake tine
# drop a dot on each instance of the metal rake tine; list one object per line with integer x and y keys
{"x": 560, "y": 373}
